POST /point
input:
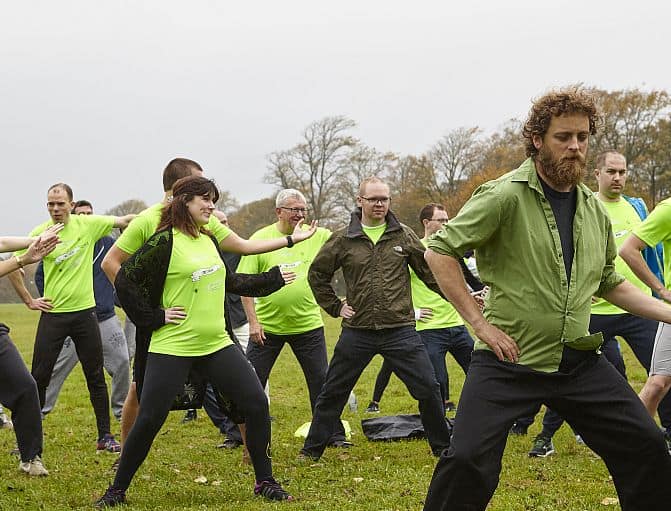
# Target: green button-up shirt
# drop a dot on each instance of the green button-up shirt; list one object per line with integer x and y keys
{"x": 510, "y": 224}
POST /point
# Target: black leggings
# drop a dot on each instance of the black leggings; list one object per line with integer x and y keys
{"x": 230, "y": 372}
{"x": 18, "y": 392}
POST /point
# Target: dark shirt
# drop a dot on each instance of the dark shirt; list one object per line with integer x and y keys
{"x": 102, "y": 287}
{"x": 233, "y": 305}
{"x": 563, "y": 206}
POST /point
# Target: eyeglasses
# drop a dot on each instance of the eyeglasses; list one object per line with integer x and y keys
{"x": 441, "y": 220}
{"x": 375, "y": 200}
{"x": 295, "y": 211}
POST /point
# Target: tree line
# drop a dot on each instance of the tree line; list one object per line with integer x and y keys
{"x": 328, "y": 162}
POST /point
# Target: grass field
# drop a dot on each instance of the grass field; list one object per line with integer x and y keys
{"x": 379, "y": 476}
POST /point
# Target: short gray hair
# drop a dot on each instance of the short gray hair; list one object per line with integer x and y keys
{"x": 288, "y": 193}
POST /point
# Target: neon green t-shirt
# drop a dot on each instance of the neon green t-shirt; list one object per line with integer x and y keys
{"x": 293, "y": 309}
{"x": 624, "y": 219}
{"x": 196, "y": 280}
{"x": 657, "y": 229}
{"x": 444, "y": 314}
{"x": 68, "y": 275}
{"x": 374, "y": 233}
{"x": 144, "y": 225}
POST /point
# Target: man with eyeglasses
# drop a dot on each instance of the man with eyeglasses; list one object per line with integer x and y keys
{"x": 291, "y": 315}
{"x": 438, "y": 324}
{"x": 375, "y": 252}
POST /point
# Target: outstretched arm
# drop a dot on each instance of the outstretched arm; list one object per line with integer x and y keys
{"x": 121, "y": 222}
{"x": 630, "y": 298}
{"x": 238, "y": 245}
{"x": 630, "y": 252}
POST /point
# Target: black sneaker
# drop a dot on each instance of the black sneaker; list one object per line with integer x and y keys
{"x": 229, "y": 443}
{"x": 542, "y": 447}
{"x": 271, "y": 489}
{"x": 373, "y": 407}
{"x": 519, "y": 429}
{"x": 450, "y": 406}
{"x": 340, "y": 444}
{"x": 112, "y": 497}
{"x": 189, "y": 416}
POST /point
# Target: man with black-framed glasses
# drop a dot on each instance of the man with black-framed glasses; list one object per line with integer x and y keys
{"x": 438, "y": 324}
{"x": 375, "y": 252}
{"x": 291, "y": 315}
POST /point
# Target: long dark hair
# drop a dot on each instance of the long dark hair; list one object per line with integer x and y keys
{"x": 176, "y": 213}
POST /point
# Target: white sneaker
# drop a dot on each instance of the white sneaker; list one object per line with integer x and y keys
{"x": 34, "y": 467}
{"x": 5, "y": 422}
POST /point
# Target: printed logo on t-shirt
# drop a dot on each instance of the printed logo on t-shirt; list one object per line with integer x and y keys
{"x": 67, "y": 255}
{"x": 290, "y": 266}
{"x": 198, "y": 274}
{"x": 620, "y": 234}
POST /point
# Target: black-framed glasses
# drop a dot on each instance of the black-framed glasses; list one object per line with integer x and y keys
{"x": 375, "y": 200}
{"x": 295, "y": 211}
{"x": 441, "y": 220}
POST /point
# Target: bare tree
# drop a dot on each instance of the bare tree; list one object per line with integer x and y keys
{"x": 454, "y": 158}
{"x": 315, "y": 164}
{"x": 127, "y": 207}
{"x": 362, "y": 163}
{"x": 227, "y": 203}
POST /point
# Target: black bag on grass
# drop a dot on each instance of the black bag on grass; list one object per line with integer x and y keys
{"x": 395, "y": 427}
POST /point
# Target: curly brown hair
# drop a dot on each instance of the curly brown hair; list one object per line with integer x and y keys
{"x": 567, "y": 100}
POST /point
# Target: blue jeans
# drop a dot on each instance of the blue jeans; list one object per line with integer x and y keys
{"x": 406, "y": 354}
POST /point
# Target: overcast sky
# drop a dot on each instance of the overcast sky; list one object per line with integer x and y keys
{"x": 102, "y": 95}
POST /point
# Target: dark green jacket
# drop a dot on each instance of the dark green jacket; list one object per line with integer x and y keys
{"x": 376, "y": 275}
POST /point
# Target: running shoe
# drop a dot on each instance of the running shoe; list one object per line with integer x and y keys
{"x": 109, "y": 444}
{"x": 5, "y": 422}
{"x": 373, "y": 407}
{"x": 271, "y": 489}
{"x": 34, "y": 467}
{"x": 542, "y": 447}
{"x": 112, "y": 497}
{"x": 229, "y": 443}
{"x": 190, "y": 416}
{"x": 450, "y": 406}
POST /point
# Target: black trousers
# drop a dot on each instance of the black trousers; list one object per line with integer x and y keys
{"x": 310, "y": 351}
{"x": 639, "y": 333}
{"x": 18, "y": 392}
{"x": 593, "y": 398}
{"x": 438, "y": 341}
{"x": 230, "y": 372}
{"x": 82, "y": 327}
{"x": 406, "y": 354}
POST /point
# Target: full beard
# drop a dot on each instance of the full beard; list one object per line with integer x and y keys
{"x": 564, "y": 171}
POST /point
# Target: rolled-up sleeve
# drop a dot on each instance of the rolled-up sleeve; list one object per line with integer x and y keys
{"x": 474, "y": 225}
